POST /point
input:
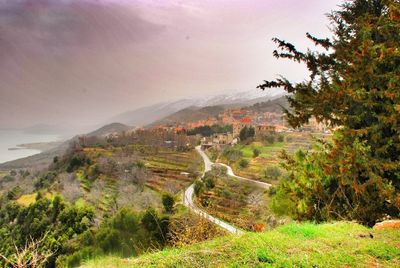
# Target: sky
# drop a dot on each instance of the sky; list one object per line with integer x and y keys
{"x": 80, "y": 62}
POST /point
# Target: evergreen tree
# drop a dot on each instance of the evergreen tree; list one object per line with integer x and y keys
{"x": 168, "y": 202}
{"x": 354, "y": 85}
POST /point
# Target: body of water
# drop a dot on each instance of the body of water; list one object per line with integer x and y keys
{"x": 12, "y": 138}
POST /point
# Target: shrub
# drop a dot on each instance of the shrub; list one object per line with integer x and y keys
{"x": 76, "y": 161}
{"x": 156, "y": 226}
{"x": 209, "y": 182}
{"x": 191, "y": 229}
{"x": 256, "y": 152}
{"x": 8, "y": 178}
{"x": 270, "y": 138}
{"x": 272, "y": 172}
{"x": 45, "y": 180}
{"x": 198, "y": 188}
{"x": 246, "y": 133}
{"x": 52, "y": 223}
{"x": 14, "y": 193}
{"x": 168, "y": 202}
{"x": 232, "y": 154}
{"x": 243, "y": 163}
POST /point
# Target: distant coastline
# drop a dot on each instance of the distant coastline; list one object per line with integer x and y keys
{"x": 16, "y": 144}
{"x": 40, "y": 146}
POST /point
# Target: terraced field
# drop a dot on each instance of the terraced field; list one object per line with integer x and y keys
{"x": 237, "y": 202}
{"x": 269, "y": 155}
{"x": 164, "y": 170}
{"x": 172, "y": 171}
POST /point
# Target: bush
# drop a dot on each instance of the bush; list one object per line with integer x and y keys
{"x": 198, "y": 188}
{"x": 190, "y": 229}
{"x": 270, "y": 138}
{"x": 53, "y": 223}
{"x": 14, "y": 193}
{"x": 168, "y": 202}
{"x": 45, "y": 180}
{"x": 207, "y": 131}
{"x": 256, "y": 152}
{"x": 77, "y": 160}
{"x": 272, "y": 172}
{"x": 232, "y": 154}
{"x": 243, "y": 163}
{"x": 209, "y": 182}
{"x": 281, "y": 138}
{"x": 246, "y": 133}
{"x": 8, "y": 178}
{"x": 156, "y": 226}
{"x": 338, "y": 196}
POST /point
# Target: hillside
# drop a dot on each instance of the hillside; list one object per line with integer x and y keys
{"x": 190, "y": 114}
{"x": 109, "y": 129}
{"x": 148, "y": 114}
{"x": 43, "y": 159}
{"x": 272, "y": 106}
{"x": 339, "y": 244}
{"x": 37, "y": 161}
{"x": 197, "y": 113}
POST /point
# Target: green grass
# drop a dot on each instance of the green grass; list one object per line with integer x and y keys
{"x": 339, "y": 244}
{"x": 247, "y": 150}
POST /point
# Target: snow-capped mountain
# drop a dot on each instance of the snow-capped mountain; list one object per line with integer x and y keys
{"x": 238, "y": 97}
{"x": 146, "y": 115}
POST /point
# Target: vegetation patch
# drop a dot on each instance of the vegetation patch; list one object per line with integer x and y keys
{"x": 329, "y": 246}
{"x": 243, "y": 204}
{"x": 305, "y": 230}
{"x": 28, "y": 199}
{"x": 259, "y": 160}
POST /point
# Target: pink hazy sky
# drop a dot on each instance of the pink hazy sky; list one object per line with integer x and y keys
{"x": 81, "y": 62}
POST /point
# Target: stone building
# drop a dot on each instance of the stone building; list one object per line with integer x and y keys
{"x": 260, "y": 130}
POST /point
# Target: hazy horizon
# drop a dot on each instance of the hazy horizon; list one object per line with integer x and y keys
{"x": 81, "y": 62}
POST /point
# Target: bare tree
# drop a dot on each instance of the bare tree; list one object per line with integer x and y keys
{"x": 30, "y": 255}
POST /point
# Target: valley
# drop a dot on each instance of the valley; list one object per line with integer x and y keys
{"x": 116, "y": 169}
{"x": 163, "y": 134}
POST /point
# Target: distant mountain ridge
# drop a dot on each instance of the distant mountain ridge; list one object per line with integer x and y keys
{"x": 148, "y": 115}
{"x": 194, "y": 113}
{"x": 190, "y": 114}
{"x": 109, "y": 129}
{"x": 178, "y": 111}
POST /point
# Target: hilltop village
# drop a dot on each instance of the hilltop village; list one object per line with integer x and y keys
{"x": 232, "y": 121}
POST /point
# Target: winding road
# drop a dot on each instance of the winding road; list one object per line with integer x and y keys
{"x": 188, "y": 195}
{"x": 229, "y": 171}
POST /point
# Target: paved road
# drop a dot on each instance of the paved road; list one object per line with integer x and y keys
{"x": 229, "y": 171}
{"x": 188, "y": 195}
{"x": 188, "y": 199}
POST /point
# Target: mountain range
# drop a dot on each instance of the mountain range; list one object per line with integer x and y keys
{"x": 184, "y": 110}
{"x": 147, "y": 115}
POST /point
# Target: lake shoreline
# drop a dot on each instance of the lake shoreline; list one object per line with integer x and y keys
{"x": 39, "y": 146}
{"x": 15, "y": 145}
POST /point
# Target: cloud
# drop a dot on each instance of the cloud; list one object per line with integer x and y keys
{"x": 86, "y": 60}
{"x": 51, "y": 25}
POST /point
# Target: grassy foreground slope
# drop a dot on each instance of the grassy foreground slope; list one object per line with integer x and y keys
{"x": 339, "y": 244}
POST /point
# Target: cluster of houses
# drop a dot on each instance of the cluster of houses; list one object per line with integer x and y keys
{"x": 223, "y": 139}
{"x": 261, "y": 130}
